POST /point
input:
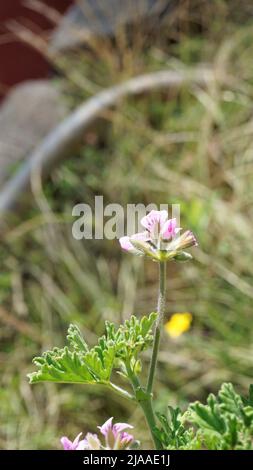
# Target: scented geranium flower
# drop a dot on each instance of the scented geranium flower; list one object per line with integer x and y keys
{"x": 91, "y": 442}
{"x": 115, "y": 435}
{"x": 75, "y": 445}
{"x": 160, "y": 240}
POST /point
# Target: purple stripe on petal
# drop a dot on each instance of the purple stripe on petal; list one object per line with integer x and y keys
{"x": 151, "y": 221}
{"x": 66, "y": 443}
{"x": 106, "y": 427}
{"x": 69, "y": 445}
{"x": 120, "y": 427}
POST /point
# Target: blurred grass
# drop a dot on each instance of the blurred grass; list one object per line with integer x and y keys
{"x": 192, "y": 147}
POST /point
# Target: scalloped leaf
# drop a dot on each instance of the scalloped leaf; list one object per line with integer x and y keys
{"x": 225, "y": 422}
{"x": 76, "y": 340}
{"x": 79, "y": 364}
{"x": 132, "y": 337}
{"x": 65, "y": 366}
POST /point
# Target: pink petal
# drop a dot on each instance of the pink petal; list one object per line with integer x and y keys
{"x": 126, "y": 438}
{"x": 169, "y": 229}
{"x": 77, "y": 439}
{"x": 120, "y": 427}
{"x": 106, "y": 427}
{"x": 126, "y": 244}
{"x": 69, "y": 445}
{"x": 66, "y": 443}
{"x": 163, "y": 217}
{"x": 191, "y": 238}
{"x": 83, "y": 445}
{"x": 186, "y": 240}
{"x": 154, "y": 218}
{"x": 91, "y": 442}
{"x": 142, "y": 236}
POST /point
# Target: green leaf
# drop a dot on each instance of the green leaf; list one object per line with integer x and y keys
{"x": 172, "y": 433}
{"x": 249, "y": 400}
{"x": 132, "y": 337}
{"x": 251, "y": 394}
{"x": 225, "y": 422}
{"x": 79, "y": 364}
{"x": 137, "y": 334}
{"x": 76, "y": 340}
{"x": 229, "y": 400}
{"x": 208, "y": 416}
{"x": 65, "y": 366}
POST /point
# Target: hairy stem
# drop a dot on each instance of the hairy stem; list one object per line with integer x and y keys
{"x": 147, "y": 408}
{"x": 145, "y": 401}
{"x": 159, "y": 323}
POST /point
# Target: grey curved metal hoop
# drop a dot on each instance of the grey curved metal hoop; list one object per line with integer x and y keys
{"x": 60, "y": 141}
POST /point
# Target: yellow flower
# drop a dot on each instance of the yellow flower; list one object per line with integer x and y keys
{"x": 178, "y": 324}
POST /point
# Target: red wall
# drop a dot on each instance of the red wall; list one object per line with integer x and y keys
{"x": 18, "y": 61}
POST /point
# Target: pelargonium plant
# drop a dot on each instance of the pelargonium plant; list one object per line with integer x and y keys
{"x": 121, "y": 347}
{"x": 225, "y": 422}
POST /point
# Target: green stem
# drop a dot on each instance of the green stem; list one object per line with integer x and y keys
{"x": 148, "y": 411}
{"x": 145, "y": 401}
{"x": 145, "y": 397}
{"x": 159, "y": 324}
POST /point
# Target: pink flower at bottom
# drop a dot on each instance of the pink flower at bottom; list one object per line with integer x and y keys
{"x": 115, "y": 435}
{"x": 115, "y": 438}
{"x": 75, "y": 445}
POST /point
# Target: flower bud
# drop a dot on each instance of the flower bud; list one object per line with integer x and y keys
{"x": 183, "y": 256}
{"x": 144, "y": 247}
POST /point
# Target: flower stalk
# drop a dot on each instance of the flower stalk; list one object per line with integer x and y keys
{"x": 159, "y": 324}
{"x": 145, "y": 401}
{"x": 161, "y": 241}
{"x": 147, "y": 408}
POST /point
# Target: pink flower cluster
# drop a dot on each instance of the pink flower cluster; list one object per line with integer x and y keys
{"x": 114, "y": 435}
{"x": 160, "y": 240}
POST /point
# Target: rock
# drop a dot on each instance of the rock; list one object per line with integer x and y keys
{"x": 102, "y": 18}
{"x": 29, "y": 112}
